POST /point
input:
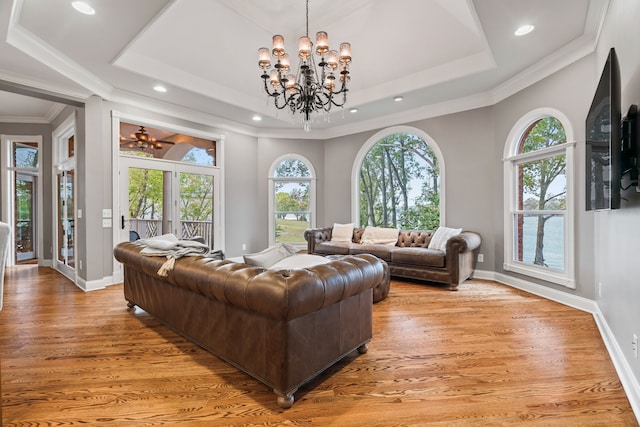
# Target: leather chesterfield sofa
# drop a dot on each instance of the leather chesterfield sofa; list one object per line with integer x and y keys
{"x": 283, "y": 327}
{"x": 410, "y": 257}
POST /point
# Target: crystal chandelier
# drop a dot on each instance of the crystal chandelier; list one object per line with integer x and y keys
{"x": 307, "y": 91}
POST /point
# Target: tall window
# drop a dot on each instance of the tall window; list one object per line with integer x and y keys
{"x": 399, "y": 184}
{"x": 540, "y": 222}
{"x": 292, "y": 207}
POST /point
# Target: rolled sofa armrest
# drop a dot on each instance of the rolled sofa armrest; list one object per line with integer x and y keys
{"x": 460, "y": 258}
{"x": 467, "y": 241}
{"x": 316, "y": 235}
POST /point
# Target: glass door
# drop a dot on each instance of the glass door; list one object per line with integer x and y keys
{"x": 159, "y": 197}
{"x": 65, "y": 224}
{"x": 25, "y": 211}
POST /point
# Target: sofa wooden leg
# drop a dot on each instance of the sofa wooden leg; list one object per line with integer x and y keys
{"x": 130, "y": 304}
{"x": 363, "y": 348}
{"x": 285, "y": 401}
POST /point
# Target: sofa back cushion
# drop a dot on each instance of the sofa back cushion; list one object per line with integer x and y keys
{"x": 414, "y": 239}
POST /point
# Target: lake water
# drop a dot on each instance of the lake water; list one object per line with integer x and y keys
{"x": 553, "y": 251}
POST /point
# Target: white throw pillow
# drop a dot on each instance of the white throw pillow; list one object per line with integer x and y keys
{"x": 440, "y": 237}
{"x": 379, "y": 236}
{"x": 268, "y": 257}
{"x": 342, "y": 232}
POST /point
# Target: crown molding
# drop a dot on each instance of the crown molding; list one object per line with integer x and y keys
{"x": 27, "y": 42}
{"x": 24, "y": 119}
{"x": 179, "y": 112}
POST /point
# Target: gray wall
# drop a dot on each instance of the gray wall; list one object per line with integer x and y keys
{"x": 569, "y": 91}
{"x": 617, "y": 233}
{"x": 466, "y": 142}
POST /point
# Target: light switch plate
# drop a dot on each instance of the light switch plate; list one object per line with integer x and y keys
{"x": 106, "y": 213}
{"x": 106, "y": 222}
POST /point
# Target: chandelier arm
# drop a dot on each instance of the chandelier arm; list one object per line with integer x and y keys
{"x": 312, "y": 89}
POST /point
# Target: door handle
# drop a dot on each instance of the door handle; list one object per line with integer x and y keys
{"x": 122, "y": 221}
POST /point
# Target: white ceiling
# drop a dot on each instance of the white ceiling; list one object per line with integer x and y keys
{"x": 442, "y": 56}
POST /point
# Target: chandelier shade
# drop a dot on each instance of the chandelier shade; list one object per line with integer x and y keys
{"x": 313, "y": 89}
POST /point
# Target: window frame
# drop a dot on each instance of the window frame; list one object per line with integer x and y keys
{"x": 311, "y": 180}
{"x": 512, "y": 159}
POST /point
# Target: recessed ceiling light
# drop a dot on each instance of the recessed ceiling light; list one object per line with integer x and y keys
{"x": 160, "y": 88}
{"x": 525, "y": 29}
{"x": 398, "y": 98}
{"x": 353, "y": 110}
{"x": 83, "y": 7}
{"x": 256, "y": 118}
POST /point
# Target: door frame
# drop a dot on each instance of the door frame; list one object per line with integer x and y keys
{"x": 8, "y": 194}
{"x": 118, "y": 175}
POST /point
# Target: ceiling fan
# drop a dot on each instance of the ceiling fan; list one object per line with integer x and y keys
{"x": 142, "y": 140}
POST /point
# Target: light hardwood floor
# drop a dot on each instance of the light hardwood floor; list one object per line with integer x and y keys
{"x": 485, "y": 355}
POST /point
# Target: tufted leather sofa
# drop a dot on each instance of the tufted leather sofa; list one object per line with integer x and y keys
{"x": 281, "y": 327}
{"x": 411, "y": 256}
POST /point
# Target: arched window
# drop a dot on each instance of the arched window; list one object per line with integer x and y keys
{"x": 399, "y": 180}
{"x": 539, "y": 198}
{"x": 291, "y": 200}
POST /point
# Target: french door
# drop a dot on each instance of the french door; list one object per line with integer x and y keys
{"x": 25, "y": 206}
{"x": 160, "y": 197}
{"x": 65, "y": 246}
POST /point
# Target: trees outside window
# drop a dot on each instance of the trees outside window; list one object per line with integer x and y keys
{"x": 539, "y": 225}
{"x": 399, "y": 184}
{"x": 292, "y": 187}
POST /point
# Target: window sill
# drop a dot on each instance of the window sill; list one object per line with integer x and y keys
{"x": 542, "y": 274}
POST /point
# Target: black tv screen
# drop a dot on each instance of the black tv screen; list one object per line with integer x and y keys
{"x": 603, "y": 169}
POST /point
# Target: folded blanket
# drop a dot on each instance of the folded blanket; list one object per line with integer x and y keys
{"x": 173, "y": 248}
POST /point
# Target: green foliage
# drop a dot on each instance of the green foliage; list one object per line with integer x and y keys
{"x": 24, "y": 200}
{"x": 146, "y": 195}
{"x": 196, "y": 197}
{"x": 539, "y": 176}
{"x": 400, "y": 184}
{"x": 292, "y": 168}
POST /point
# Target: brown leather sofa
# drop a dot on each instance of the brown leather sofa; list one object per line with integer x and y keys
{"x": 410, "y": 257}
{"x": 281, "y": 327}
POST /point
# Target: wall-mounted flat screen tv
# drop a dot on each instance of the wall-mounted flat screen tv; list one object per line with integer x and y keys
{"x": 603, "y": 133}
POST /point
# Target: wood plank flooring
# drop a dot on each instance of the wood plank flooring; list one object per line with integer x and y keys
{"x": 485, "y": 355}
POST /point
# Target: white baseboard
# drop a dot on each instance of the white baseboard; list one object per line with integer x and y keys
{"x": 94, "y": 285}
{"x": 45, "y": 263}
{"x": 628, "y": 380}
{"x": 620, "y": 363}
